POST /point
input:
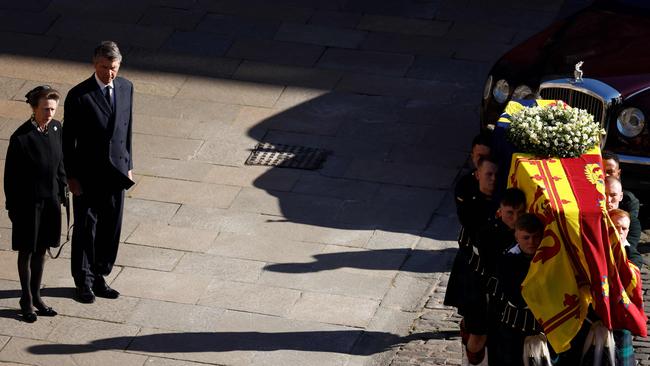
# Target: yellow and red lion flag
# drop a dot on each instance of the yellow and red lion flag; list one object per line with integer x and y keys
{"x": 580, "y": 261}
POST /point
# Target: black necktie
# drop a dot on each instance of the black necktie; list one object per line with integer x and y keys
{"x": 107, "y": 95}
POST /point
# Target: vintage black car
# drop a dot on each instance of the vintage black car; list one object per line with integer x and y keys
{"x": 597, "y": 59}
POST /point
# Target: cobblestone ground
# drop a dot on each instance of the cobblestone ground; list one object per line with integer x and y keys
{"x": 440, "y": 344}
{"x": 438, "y": 324}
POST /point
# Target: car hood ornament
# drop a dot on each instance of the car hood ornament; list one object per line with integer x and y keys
{"x": 577, "y": 73}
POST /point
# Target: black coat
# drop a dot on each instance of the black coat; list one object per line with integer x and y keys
{"x": 97, "y": 138}
{"x": 33, "y": 181}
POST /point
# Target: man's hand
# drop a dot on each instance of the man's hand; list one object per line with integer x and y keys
{"x": 130, "y": 174}
{"x": 74, "y": 186}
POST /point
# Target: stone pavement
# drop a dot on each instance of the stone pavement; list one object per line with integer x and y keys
{"x": 228, "y": 264}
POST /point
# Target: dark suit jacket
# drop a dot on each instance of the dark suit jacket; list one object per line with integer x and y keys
{"x": 96, "y": 138}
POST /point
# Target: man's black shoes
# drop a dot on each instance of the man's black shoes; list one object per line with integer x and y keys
{"x": 106, "y": 292}
{"x": 85, "y": 295}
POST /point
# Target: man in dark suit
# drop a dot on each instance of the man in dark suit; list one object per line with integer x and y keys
{"x": 97, "y": 157}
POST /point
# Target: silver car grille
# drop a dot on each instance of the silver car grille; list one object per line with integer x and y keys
{"x": 576, "y": 99}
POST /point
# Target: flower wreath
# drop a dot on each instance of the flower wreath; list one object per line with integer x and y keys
{"x": 554, "y": 130}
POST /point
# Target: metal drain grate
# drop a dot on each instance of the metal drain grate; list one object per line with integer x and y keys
{"x": 287, "y": 156}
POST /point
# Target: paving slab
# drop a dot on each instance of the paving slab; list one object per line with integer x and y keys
{"x": 173, "y": 237}
{"x": 381, "y": 263}
{"x": 164, "y": 147}
{"x": 158, "y": 361}
{"x": 336, "y": 188}
{"x": 26, "y": 44}
{"x": 263, "y": 248}
{"x": 284, "y": 53}
{"x": 202, "y": 347}
{"x": 226, "y": 151}
{"x": 111, "y": 311}
{"x": 337, "y": 282}
{"x": 173, "y": 316}
{"x": 149, "y": 211}
{"x": 248, "y": 297}
{"x": 409, "y": 8}
{"x": 16, "y": 352}
{"x": 297, "y": 358}
{"x": 10, "y": 88}
{"x": 183, "y": 108}
{"x": 396, "y": 24}
{"x": 309, "y": 208}
{"x": 141, "y": 256}
{"x": 173, "y": 168}
{"x": 166, "y": 286}
{"x": 407, "y": 293}
{"x": 334, "y": 309}
{"x": 174, "y": 62}
{"x": 162, "y": 84}
{"x": 320, "y": 35}
{"x": 239, "y": 222}
{"x": 200, "y": 217}
{"x": 12, "y": 325}
{"x": 253, "y": 176}
{"x": 435, "y": 68}
{"x": 99, "y": 334}
{"x": 234, "y": 26}
{"x": 123, "y": 13}
{"x": 408, "y": 44}
{"x": 220, "y": 267}
{"x": 185, "y": 192}
{"x": 258, "y": 9}
{"x": 369, "y": 62}
{"x": 287, "y": 75}
{"x": 334, "y": 18}
{"x": 442, "y": 92}
{"x": 182, "y": 19}
{"x": 231, "y": 92}
{"x": 401, "y": 173}
{"x": 383, "y": 239}
{"x": 72, "y": 27}
{"x": 14, "y": 109}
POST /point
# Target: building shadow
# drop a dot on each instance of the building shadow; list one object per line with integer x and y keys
{"x": 191, "y": 342}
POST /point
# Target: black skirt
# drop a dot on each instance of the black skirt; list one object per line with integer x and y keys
{"x": 36, "y": 226}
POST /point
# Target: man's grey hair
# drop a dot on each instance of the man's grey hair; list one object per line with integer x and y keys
{"x": 109, "y": 50}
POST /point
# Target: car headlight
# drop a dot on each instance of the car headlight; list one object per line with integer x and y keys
{"x": 630, "y": 122}
{"x": 501, "y": 91}
{"x": 521, "y": 92}
{"x": 487, "y": 88}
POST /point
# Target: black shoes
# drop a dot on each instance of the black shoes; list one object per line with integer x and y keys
{"x": 46, "y": 311}
{"x": 85, "y": 295}
{"x": 29, "y": 316}
{"x": 106, "y": 292}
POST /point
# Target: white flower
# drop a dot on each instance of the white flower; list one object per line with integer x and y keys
{"x": 556, "y": 130}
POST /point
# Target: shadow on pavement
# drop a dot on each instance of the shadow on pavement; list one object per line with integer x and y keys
{"x": 405, "y": 260}
{"x": 65, "y": 292}
{"x": 317, "y": 341}
{"x": 10, "y": 314}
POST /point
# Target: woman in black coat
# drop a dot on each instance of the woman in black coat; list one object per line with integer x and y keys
{"x": 34, "y": 180}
